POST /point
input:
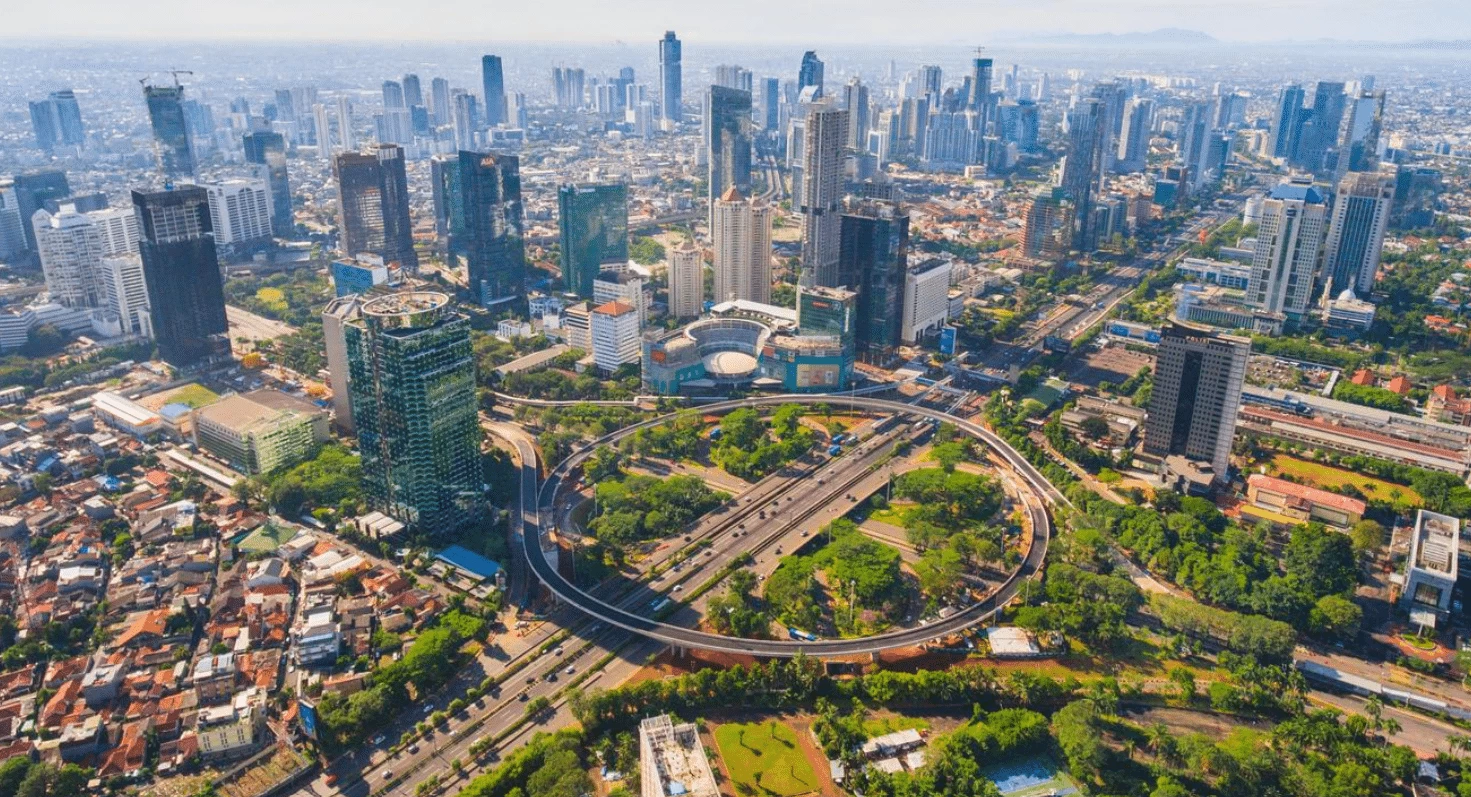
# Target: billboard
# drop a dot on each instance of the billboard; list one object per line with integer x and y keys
{"x": 817, "y": 374}
{"x": 307, "y": 711}
{"x": 948, "y": 335}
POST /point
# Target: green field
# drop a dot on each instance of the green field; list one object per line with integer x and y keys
{"x": 881, "y": 725}
{"x": 765, "y": 757}
{"x": 1328, "y": 478}
{"x": 195, "y": 395}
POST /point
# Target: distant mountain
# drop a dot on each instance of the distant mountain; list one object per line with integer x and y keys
{"x": 1164, "y": 37}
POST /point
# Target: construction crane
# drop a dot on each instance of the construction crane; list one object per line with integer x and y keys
{"x": 143, "y": 81}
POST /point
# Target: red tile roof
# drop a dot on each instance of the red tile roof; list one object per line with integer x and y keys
{"x": 1314, "y": 495}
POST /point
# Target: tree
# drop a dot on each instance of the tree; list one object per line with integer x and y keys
{"x": 1184, "y": 681}
{"x": 1367, "y": 536}
{"x": 1321, "y": 560}
{"x": 1094, "y": 427}
{"x": 1336, "y": 617}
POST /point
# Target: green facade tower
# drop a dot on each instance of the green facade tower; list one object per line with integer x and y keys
{"x": 412, "y": 380}
{"x": 593, "y": 218}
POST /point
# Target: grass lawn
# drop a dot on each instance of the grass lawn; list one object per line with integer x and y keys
{"x": 881, "y": 725}
{"x": 894, "y": 514}
{"x": 195, "y": 396}
{"x": 766, "y": 758}
{"x": 1328, "y": 477}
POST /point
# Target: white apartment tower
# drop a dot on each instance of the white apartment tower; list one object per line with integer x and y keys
{"x": 71, "y": 249}
{"x": 1289, "y": 249}
{"x": 615, "y": 335}
{"x": 825, "y": 136}
{"x": 125, "y": 294}
{"x": 742, "y": 237}
{"x": 240, "y": 211}
{"x": 686, "y": 281}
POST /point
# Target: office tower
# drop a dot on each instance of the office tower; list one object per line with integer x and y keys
{"x": 57, "y": 121}
{"x": 32, "y": 191}
{"x": 926, "y": 299}
{"x": 170, "y": 130}
{"x": 411, "y": 375}
{"x": 12, "y": 235}
{"x": 741, "y": 235}
{"x": 1197, "y": 391}
{"x": 623, "y": 286}
{"x": 1287, "y": 122}
{"x": 593, "y": 221}
{"x": 952, "y": 140}
{"x": 855, "y": 99}
{"x": 931, "y": 82}
{"x": 393, "y": 94}
{"x": 285, "y": 106}
{"x": 614, "y": 331}
{"x": 268, "y": 151}
{"x": 1133, "y": 149}
{"x": 1320, "y": 127}
{"x": 125, "y": 294}
{"x": 413, "y": 92}
{"x": 1359, "y": 150}
{"x": 686, "y": 281}
{"x": 182, "y": 271}
{"x": 1356, "y": 233}
{"x": 358, "y": 275}
{"x": 444, "y": 186}
{"x": 1049, "y": 225}
{"x": 728, "y": 140}
{"x": 439, "y": 95}
{"x": 495, "y": 227}
{"x": 671, "y": 82}
{"x": 1416, "y": 189}
{"x": 980, "y": 88}
{"x": 322, "y": 131}
{"x": 516, "y": 108}
{"x": 345, "y": 133}
{"x": 824, "y": 312}
{"x": 71, "y": 251}
{"x": 373, "y": 205}
{"x": 1083, "y": 168}
{"x": 1289, "y": 246}
{"x": 335, "y": 316}
{"x": 824, "y": 137}
{"x": 494, "y": 85}
{"x": 733, "y": 77}
{"x": 810, "y": 73}
{"x": 1198, "y": 142}
{"x": 1113, "y": 95}
{"x": 240, "y": 216}
{"x": 873, "y": 260}
{"x": 117, "y": 226}
{"x": 466, "y": 121}
{"x": 771, "y": 103}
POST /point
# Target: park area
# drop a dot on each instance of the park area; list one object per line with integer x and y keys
{"x": 1330, "y": 478}
{"x": 765, "y": 758}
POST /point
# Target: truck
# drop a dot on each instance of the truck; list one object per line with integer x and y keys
{"x": 834, "y": 450}
{"x": 799, "y": 634}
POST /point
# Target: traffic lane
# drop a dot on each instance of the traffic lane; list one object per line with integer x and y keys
{"x": 1425, "y": 735}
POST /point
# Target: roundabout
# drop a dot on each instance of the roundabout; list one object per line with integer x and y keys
{"x": 1035, "y": 493}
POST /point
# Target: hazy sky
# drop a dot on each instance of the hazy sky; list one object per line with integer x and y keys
{"x": 775, "y": 21}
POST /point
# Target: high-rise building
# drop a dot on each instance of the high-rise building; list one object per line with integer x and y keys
{"x": 980, "y": 99}
{"x": 71, "y": 249}
{"x": 728, "y": 140}
{"x": 829, "y": 312}
{"x": 623, "y": 286}
{"x": 1289, "y": 248}
{"x": 171, "y": 141}
{"x": 466, "y": 121}
{"x": 1287, "y": 122}
{"x": 1113, "y": 95}
{"x": 1049, "y": 225}
{"x": 810, "y": 73}
{"x": 393, "y": 95}
{"x": 741, "y": 232}
{"x": 32, "y": 191}
{"x": 373, "y": 205}
{"x": 335, "y": 317}
{"x": 824, "y": 137}
{"x": 855, "y": 99}
{"x": 926, "y": 299}
{"x": 240, "y": 216}
{"x": 412, "y": 380}
{"x": 494, "y": 85}
{"x": 1082, "y": 168}
{"x": 267, "y": 150}
{"x": 1319, "y": 130}
{"x": 686, "y": 280}
{"x": 671, "y": 81}
{"x": 495, "y": 226}
{"x": 125, "y": 294}
{"x": 593, "y": 221}
{"x": 285, "y": 106}
{"x": 733, "y": 77}
{"x": 771, "y": 104}
{"x": 57, "y": 121}
{"x": 439, "y": 95}
{"x": 952, "y": 140}
{"x": 1415, "y": 191}
{"x": 615, "y": 335}
{"x": 346, "y": 134}
{"x": 1356, "y": 233}
{"x": 1359, "y": 149}
{"x": 873, "y": 260}
{"x": 185, "y": 292}
{"x": 1133, "y": 150}
{"x": 1197, "y": 392}
{"x": 413, "y": 91}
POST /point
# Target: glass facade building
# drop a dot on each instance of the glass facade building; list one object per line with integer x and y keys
{"x": 873, "y": 259}
{"x": 593, "y": 220}
{"x": 373, "y": 205}
{"x": 411, "y": 375}
{"x": 170, "y": 130}
{"x": 728, "y": 140}
{"x": 495, "y": 226}
{"x": 267, "y": 150}
{"x": 182, "y": 272}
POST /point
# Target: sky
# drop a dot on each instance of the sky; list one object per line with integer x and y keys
{"x": 811, "y": 22}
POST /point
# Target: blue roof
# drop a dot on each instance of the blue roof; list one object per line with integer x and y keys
{"x": 175, "y": 411}
{"x": 1298, "y": 191}
{"x": 469, "y": 561}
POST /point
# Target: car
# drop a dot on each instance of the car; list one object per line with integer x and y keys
{"x": 709, "y": 552}
{"x": 530, "y": 679}
{"x": 687, "y": 538}
{"x": 332, "y": 779}
{"x": 678, "y": 587}
{"x": 428, "y": 708}
{"x": 742, "y": 526}
{"x": 522, "y": 697}
{"x": 379, "y": 739}
{"x": 570, "y": 669}
{"x": 387, "y": 774}
{"x": 413, "y": 749}
{"x": 551, "y": 676}
{"x": 804, "y": 532}
{"x": 778, "y": 550}
{"x": 558, "y": 651}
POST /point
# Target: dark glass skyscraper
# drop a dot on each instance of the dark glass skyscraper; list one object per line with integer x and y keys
{"x": 771, "y": 103}
{"x": 671, "y": 79}
{"x": 32, "y": 191}
{"x": 1083, "y": 167}
{"x": 728, "y": 138}
{"x": 373, "y": 205}
{"x": 1287, "y": 121}
{"x": 57, "y": 121}
{"x": 170, "y": 130}
{"x": 495, "y": 90}
{"x": 267, "y": 150}
{"x": 1197, "y": 393}
{"x": 182, "y": 272}
{"x": 872, "y": 260}
{"x": 495, "y": 226}
{"x": 594, "y": 225}
{"x": 411, "y": 375}
{"x": 810, "y": 73}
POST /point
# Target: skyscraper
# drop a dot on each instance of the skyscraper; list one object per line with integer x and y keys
{"x": 495, "y": 226}
{"x": 182, "y": 271}
{"x": 980, "y": 89}
{"x": 240, "y": 217}
{"x": 1356, "y": 233}
{"x": 1359, "y": 149}
{"x": 57, "y": 121}
{"x": 439, "y": 95}
{"x": 32, "y": 191}
{"x": 170, "y": 130}
{"x": 593, "y": 221}
{"x": 1133, "y": 151}
{"x": 1287, "y": 122}
{"x": 494, "y": 85}
{"x": 267, "y": 150}
{"x": 671, "y": 81}
{"x": 873, "y": 261}
{"x": 728, "y": 140}
{"x": 1319, "y": 130}
{"x": 771, "y": 103}
{"x": 1049, "y": 226}
{"x": 1083, "y": 167}
{"x": 810, "y": 73}
{"x": 373, "y": 205}
{"x": 393, "y": 94}
{"x": 1289, "y": 246}
{"x": 855, "y": 99}
{"x": 824, "y": 137}
{"x": 686, "y": 280}
{"x": 413, "y": 91}
{"x": 1197, "y": 392}
{"x": 411, "y": 375}
{"x": 71, "y": 250}
{"x": 346, "y": 135}
{"x": 741, "y": 232}
{"x": 335, "y": 317}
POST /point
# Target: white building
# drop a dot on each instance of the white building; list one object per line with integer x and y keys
{"x": 576, "y": 323}
{"x": 1349, "y": 313}
{"x": 335, "y": 317}
{"x": 240, "y": 211}
{"x": 1435, "y": 548}
{"x": 615, "y": 335}
{"x": 125, "y": 295}
{"x": 926, "y": 299}
{"x": 672, "y": 761}
{"x": 624, "y": 286}
{"x": 119, "y": 230}
{"x": 1288, "y": 249}
{"x": 234, "y": 729}
{"x": 686, "y": 281}
{"x": 71, "y": 250}
{"x": 742, "y": 238}
{"x": 824, "y": 138}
